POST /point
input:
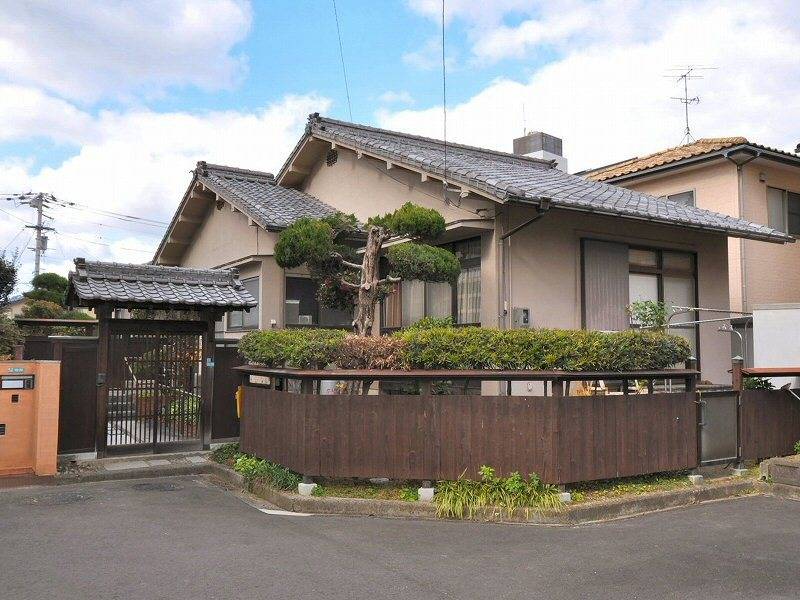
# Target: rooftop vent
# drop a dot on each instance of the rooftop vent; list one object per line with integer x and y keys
{"x": 538, "y": 144}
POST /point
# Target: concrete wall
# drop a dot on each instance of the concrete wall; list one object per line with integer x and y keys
{"x": 546, "y": 271}
{"x": 30, "y": 443}
{"x": 776, "y": 331}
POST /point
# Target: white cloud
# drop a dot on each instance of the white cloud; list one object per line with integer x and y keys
{"x": 606, "y": 96}
{"x": 392, "y": 97}
{"x": 86, "y": 50}
{"x": 137, "y": 162}
{"x": 429, "y": 56}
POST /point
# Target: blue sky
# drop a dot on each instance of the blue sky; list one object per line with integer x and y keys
{"x": 111, "y": 103}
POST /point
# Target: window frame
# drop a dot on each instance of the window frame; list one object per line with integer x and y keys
{"x": 256, "y": 308}
{"x": 785, "y": 226}
{"x": 659, "y": 270}
{"x": 466, "y": 263}
{"x": 690, "y": 191}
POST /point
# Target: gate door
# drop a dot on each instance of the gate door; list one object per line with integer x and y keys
{"x": 155, "y": 389}
{"x": 719, "y": 433}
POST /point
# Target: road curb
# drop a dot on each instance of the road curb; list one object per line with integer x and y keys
{"x": 576, "y": 514}
{"x": 604, "y": 510}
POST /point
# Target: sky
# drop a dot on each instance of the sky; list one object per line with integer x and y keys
{"x": 109, "y": 104}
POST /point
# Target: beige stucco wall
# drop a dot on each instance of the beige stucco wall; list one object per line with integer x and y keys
{"x": 226, "y": 237}
{"x": 366, "y": 188}
{"x": 546, "y": 271}
{"x": 772, "y": 270}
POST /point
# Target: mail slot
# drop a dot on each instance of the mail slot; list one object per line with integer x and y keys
{"x": 16, "y": 382}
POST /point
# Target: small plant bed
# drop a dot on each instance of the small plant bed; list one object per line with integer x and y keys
{"x": 629, "y": 486}
{"x": 492, "y": 497}
{"x": 372, "y": 491}
{"x": 256, "y": 470}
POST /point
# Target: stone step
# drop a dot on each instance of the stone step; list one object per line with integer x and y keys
{"x": 783, "y": 471}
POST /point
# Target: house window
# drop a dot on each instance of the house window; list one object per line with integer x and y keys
{"x": 784, "y": 210}
{"x": 303, "y": 308}
{"x": 240, "y": 319}
{"x": 616, "y": 275}
{"x": 685, "y": 198}
{"x": 413, "y": 300}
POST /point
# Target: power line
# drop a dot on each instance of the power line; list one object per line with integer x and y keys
{"x": 102, "y": 243}
{"x": 341, "y": 56}
{"x": 10, "y": 214}
{"x": 8, "y": 245}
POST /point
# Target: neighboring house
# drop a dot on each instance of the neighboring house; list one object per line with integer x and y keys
{"x": 538, "y": 247}
{"x": 737, "y": 178}
{"x": 15, "y": 306}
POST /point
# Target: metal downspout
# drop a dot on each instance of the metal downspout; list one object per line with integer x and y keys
{"x": 742, "y": 261}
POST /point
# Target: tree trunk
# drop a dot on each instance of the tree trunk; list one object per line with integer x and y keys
{"x": 370, "y": 275}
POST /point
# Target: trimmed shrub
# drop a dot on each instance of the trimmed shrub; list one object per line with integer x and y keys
{"x": 541, "y": 349}
{"x": 301, "y": 348}
{"x": 459, "y": 348}
{"x": 384, "y": 352}
{"x": 10, "y": 336}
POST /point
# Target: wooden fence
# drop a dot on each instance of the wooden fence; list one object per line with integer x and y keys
{"x": 564, "y": 439}
{"x": 769, "y": 423}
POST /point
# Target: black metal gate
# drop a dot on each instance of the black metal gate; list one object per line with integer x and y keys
{"x": 155, "y": 386}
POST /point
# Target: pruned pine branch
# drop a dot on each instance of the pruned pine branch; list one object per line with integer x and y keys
{"x": 389, "y": 279}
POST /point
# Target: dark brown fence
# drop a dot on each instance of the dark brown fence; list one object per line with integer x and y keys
{"x": 770, "y": 423}
{"x": 564, "y": 439}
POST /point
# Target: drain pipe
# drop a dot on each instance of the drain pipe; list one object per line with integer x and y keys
{"x": 740, "y": 181}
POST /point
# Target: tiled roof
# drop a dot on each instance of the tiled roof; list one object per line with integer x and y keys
{"x": 259, "y": 197}
{"x": 155, "y": 285}
{"x": 511, "y": 177}
{"x": 670, "y": 155}
{"x": 699, "y": 148}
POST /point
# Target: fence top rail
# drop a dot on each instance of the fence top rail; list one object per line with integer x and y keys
{"x": 771, "y": 372}
{"x": 487, "y": 375}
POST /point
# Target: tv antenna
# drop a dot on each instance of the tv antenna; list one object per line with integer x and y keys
{"x": 682, "y": 76}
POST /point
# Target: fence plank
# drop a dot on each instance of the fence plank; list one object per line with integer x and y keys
{"x": 770, "y": 423}
{"x": 565, "y": 439}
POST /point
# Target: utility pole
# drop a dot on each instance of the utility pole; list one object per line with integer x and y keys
{"x": 39, "y": 202}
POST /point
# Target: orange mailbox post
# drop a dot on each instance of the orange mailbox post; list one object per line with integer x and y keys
{"x": 29, "y": 394}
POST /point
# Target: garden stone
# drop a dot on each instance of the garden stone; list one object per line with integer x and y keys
{"x": 696, "y": 479}
{"x": 565, "y": 497}
{"x": 426, "y": 494}
{"x": 306, "y": 489}
{"x": 739, "y": 472}
{"x": 379, "y": 480}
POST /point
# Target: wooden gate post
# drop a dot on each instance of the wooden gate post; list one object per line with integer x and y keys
{"x": 209, "y": 346}
{"x": 103, "y": 313}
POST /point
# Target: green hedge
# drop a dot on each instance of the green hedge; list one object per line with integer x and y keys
{"x": 471, "y": 348}
{"x": 301, "y": 348}
{"x": 541, "y": 349}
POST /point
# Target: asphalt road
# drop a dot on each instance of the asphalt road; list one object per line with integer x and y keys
{"x": 186, "y": 538}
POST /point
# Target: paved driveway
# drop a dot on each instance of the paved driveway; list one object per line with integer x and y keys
{"x": 185, "y": 538}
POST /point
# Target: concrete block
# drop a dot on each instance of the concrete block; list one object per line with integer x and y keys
{"x": 196, "y": 459}
{"x": 306, "y": 489}
{"x": 426, "y": 494}
{"x": 696, "y": 479}
{"x": 125, "y": 464}
{"x": 565, "y": 497}
{"x": 739, "y": 472}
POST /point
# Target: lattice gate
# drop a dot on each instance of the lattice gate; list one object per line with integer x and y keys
{"x": 155, "y": 386}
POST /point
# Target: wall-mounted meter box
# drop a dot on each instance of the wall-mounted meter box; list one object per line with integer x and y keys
{"x": 16, "y": 382}
{"x": 521, "y": 317}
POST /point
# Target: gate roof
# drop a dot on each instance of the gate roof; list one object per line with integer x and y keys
{"x": 156, "y": 287}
